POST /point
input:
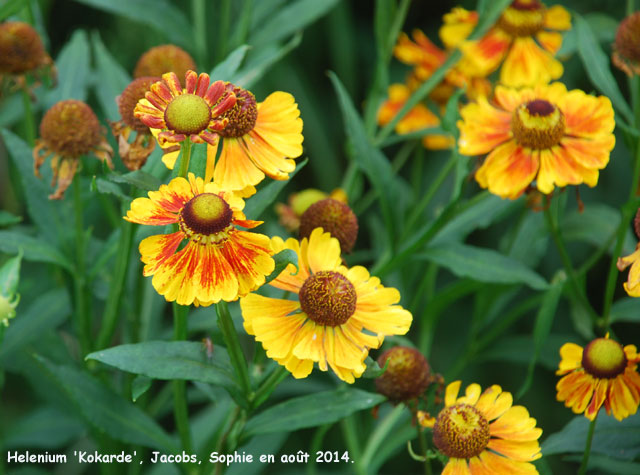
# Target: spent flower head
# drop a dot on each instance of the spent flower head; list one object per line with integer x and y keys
{"x": 626, "y": 49}
{"x": 164, "y": 59}
{"x": 407, "y": 375}
{"x": 335, "y": 217}
{"x": 69, "y": 130}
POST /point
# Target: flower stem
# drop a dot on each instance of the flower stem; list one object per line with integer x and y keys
{"x": 273, "y": 380}
{"x": 110, "y": 317}
{"x": 566, "y": 260}
{"x": 79, "y": 283}
{"x": 225, "y": 323}
{"x": 587, "y": 447}
{"x": 185, "y": 158}
{"x": 199, "y": 16}
{"x": 422, "y": 440}
{"x": 380, "y": 434}
{"x": 180, "y": 409}
{"x": 29, "y": 122}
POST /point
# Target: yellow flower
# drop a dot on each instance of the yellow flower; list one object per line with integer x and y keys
{"x": 419, "y": 117}
{"x": 192, "y": 113}
{"x": 547, "y": 134}
{"x": 68, "y": 131}
{"x": 484, "y": 433}
{"x": 339, "y": 314}
{"x": 219, "y": 261}
{"x": 632, "y": 285}
{"x": 260, "y": 139}
{"x": 602, "y": 373}
{"x": 524, "y": 41}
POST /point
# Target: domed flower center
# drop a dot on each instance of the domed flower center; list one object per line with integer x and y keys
{"x": 70, "y": 128}
{"x": 537, "y": 124}
{"x": 205, "y": 214}
{"x": 242, "y": 117}
{"x": 461, "y": 431}
{"x": 604, "y": 358}
{"x": 328, "y": 298}
{"x": 187, "y": 114}
{"x": 129, "y": 99}
{"x": 522, "y": 18}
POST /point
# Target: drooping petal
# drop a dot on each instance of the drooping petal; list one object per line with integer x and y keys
{"x": 523, "y": 451}
{"x": 508, "y": 170}
{"x": 456, "y": 467}
{"x": 527, "y": 64}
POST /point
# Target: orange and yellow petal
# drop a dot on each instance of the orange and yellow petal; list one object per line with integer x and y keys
{"x": 458, "y": 25}
{"x": 155, "y": 250}
{"x": 162, "y": 206}
{"x": 482, "y": 128}
{"x": 422, "y": 52}
{"x": 557, "y": 18}
{"x": 256, "y": 306}
{"x": 624, "y": 395}
{"x": 482, "y": 57}
{"x": 559, "y": 167}
{"x": 508, "y": 170}
{"x": 550, "y": 41}
{"x": 456, "y": 466}
{"x": 280, "y": 125}
{"x": 502, "y": 403}
{"x": 451, "y": 393}
{"x": 632, "y": 285}
{"x": 234, "y": 167}
{"x": 527, "y": 64}
{"x": 488, "y": 463}
{"x": 587, "y": 116}
{"x": 522, "y": 451}
{"x": 571, "y": 358}
{"x": 297, "y": 367}
{"x": 576, "y": 390}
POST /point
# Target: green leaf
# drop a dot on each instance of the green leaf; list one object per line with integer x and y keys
{"x": 198, "y": 160}
{"x": 52, "y": 218}
{"x": 256, "y": 204}
{"x": 137, "y": 178}
{"x": 542, "y": 326}
{"x": 257, "y": 65}
{"x": 482, "y": 211}
{"x": 596, "y": 65}
{"x": 73, "y": 70}
{"x": 11, "y": 7}
{"x": 169, "y": 360}
{"x": 369, "y": 159}
{"x": 603, "y": 26}
{"x": 43, "y": 428}
{"x": 312, "y": 410}
{"x": 282, "y": 259}
{"x": 10, "y": 275}
{"x": 230, "y": 65}
{"x": 596, "y": 224}
{"x": 106, "y": 410}
{"x": 608, "y": 465}
{"x": 139, "y": 386}
{"x": 626, "y": 309}
{"x": 159, "y": 14}
{"x": 618, "y": 439}
{"x": 47, "y": 311}
{"x": 373, "y": 368}
{"x": 484, "y": 265}
{"x": 112, "y": 79}
{"x": 289, "y": 19}
{"x": 108, "y": 187}
{"x": 35, "y": 249}
{"x": 7, "y": 219}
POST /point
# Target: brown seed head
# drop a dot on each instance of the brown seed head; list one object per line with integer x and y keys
{"x": 129, "y": 98}
{"x": 626, "y": 49}
{"x": 21, "y": 49}
{"x": 70, "y": 129}
{"x": 334, "y": 217}
{"x": 164, "y": 59}
{"x": 407, "y": 376}
{"x": 328, "y": 298}
{"x": 242, "y": 117}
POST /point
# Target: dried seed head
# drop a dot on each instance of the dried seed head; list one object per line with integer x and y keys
{"x": 164, "y": 59}
{"x": 626, "y": 49}
{"x": 461, "y": 431}
{"x": 242, "y": 117}
{"x": 70, "y": 129}
{"x": 21, "y": 48}
{"x": 334, "y": 217}
{"x": 129, "y": 98}
{"x": 407, "y": 375}
{"x": 328, "y": 298}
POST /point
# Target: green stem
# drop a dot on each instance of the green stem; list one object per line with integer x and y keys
{"x": 315, "y": 446}
{"x": 29, "y": 122}
{"x": 422, "y": 440}
{"x": 180, "y": 408}
{"x": 198, "y": 14}
{"x": 185, "y": 158}
{"x": 566, "y": 261}
{"x": 352, "y": 443}
{"x": 110, "y": 317}
{"x": 225, "y": 324}
{"x": 587, "y": 447}
{"x": 269, "y": 385}
{"x": 380, "y": 434}
{"x": 428, "y": 196}
{"x": 79, "y": 282}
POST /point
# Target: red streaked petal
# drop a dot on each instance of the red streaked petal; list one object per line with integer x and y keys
{"x": 190, "y": 80}
{"x": 173, "y": 83}
{"x": 155, "y": 250}
{"x": 203, "y": 84}
{"x": 214, "y": 92}
{"x": 227, "y": 103}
